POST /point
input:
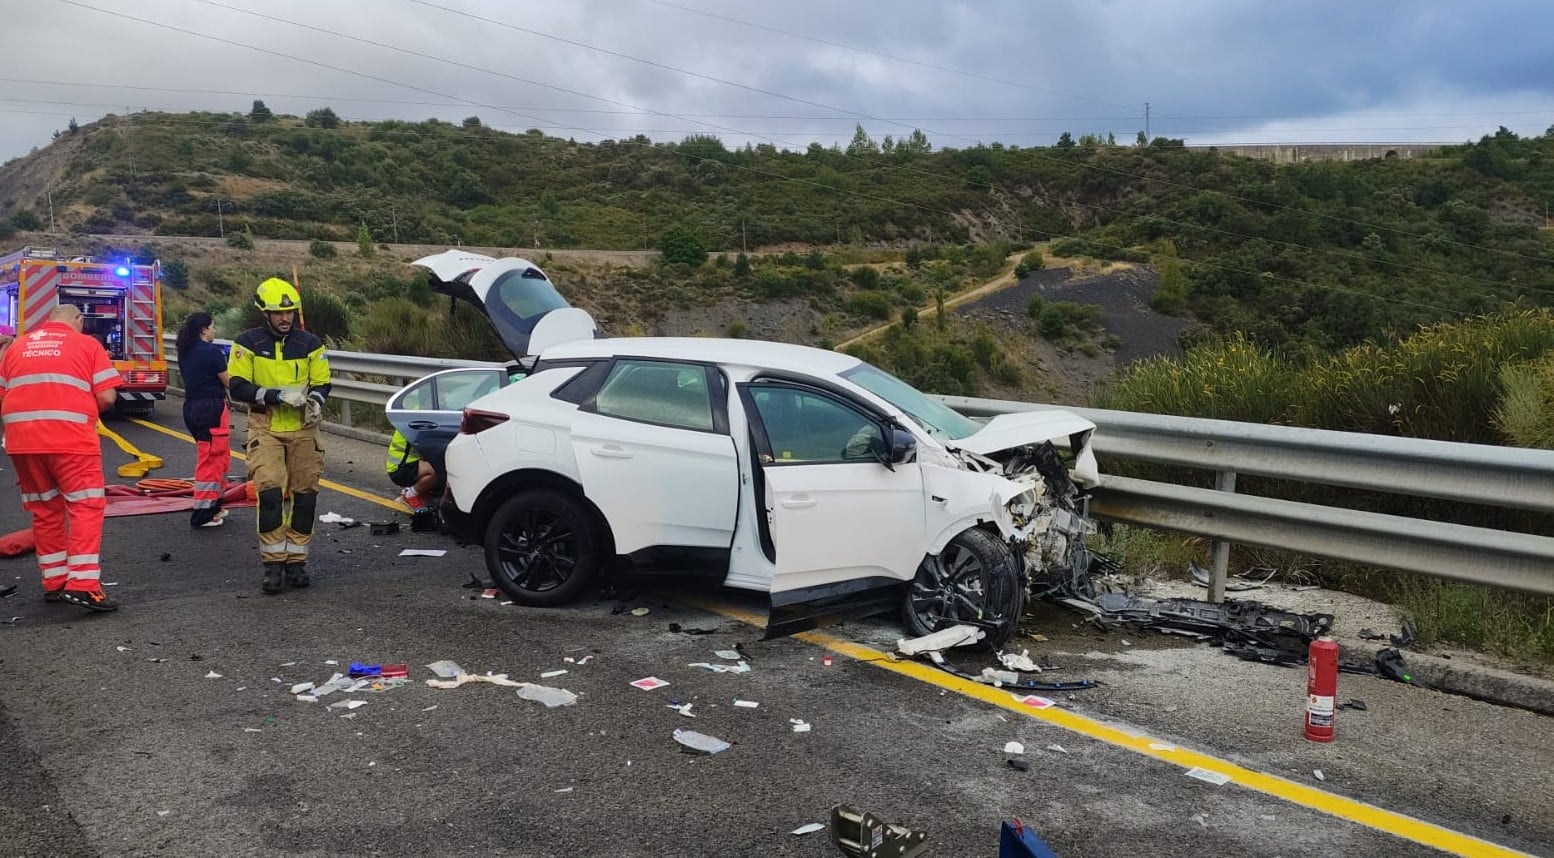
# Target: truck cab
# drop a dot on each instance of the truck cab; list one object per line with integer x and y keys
{"x": 121, "y": 307}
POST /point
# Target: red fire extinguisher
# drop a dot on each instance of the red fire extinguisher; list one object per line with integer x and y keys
{"x": 1321, "y": 689}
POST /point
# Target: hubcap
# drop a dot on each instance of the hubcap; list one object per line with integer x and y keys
{"x": 950, "y": 589}
{"x": 538, "y": 551}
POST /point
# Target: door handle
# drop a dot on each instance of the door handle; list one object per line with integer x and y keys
{"x": 422, "y": 424}
{"x": 611, "y": 451}
{"x": 798, "y": 502}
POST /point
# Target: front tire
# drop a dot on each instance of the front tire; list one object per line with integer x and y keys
{"x": 976, "y": 579}
{"x": 543, "y": 549}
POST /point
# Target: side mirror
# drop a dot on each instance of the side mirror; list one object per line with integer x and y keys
{"x": 902, "y": 448}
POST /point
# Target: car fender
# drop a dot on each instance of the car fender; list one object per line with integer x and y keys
{"x": 958, "y": 499}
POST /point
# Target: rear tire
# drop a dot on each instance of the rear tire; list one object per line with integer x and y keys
{"x": 976, "y": 578}
{"x": 543, "y": 548}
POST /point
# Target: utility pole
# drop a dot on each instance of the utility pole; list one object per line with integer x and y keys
{"x": 219, "y": 224}
{"x": 744, "y": 246}
{"x": 49, "y": 189}
{"x": 1146, "y": 123}
{"x": 394, "y": 216}
{"x": 535, "y": 225}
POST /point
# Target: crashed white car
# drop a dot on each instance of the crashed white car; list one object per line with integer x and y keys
{"x": 794, "y": 471}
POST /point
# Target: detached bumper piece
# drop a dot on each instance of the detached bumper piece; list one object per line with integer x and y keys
{"x": 863, "y": 835}
{"x": 1248, "y": 630}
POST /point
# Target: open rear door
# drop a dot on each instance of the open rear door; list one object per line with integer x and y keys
{"x": 521, "y": 302}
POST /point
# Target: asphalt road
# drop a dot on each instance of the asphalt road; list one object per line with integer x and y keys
{"x": 115, "y": 742}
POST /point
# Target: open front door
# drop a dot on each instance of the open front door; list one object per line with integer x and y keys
{"x": 841, "y": 521}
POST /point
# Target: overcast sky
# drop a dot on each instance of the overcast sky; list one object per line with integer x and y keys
{"x": 789, "y": 72}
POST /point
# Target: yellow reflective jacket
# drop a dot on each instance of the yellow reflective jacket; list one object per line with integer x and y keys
{"x": 401, "y": 452}
{"x": 262, "y": 364}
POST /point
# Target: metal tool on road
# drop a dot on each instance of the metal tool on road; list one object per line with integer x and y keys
{"x": 864, "y": 835}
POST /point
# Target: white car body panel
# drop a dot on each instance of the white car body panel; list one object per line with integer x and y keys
{"x": 657, "y": 485}
{"x": 1012, "y": 430}
{"x": 839, "y": 521}
{"x": 453, "y": 264}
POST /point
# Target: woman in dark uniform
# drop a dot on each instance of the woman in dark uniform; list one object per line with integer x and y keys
{"x": 204, "y": 369}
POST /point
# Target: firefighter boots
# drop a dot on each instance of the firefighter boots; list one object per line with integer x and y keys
{"x": 274, "y": 573}
{"x": 297, "y": 575}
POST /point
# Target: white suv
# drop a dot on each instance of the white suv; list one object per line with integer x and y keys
{"x": 794, "y": 471}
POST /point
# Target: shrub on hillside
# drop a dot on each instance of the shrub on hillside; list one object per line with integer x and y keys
{"x": 321, "y": 249}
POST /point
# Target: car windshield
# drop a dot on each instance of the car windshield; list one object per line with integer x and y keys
{"x": 936, "y": 418}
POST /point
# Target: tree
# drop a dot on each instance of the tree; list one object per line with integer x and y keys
{"x": 73, "y": 126}
{"x": 472, "y": 122}
{"x": 862, "y": 143}
{"x": 260, "y": 113}
{"x": 1065, "y": 140}
{"x": 321, "y": 118}
{"x": 1141, "y": 141}
{"x": 364, "y": 245}
{"x": 175, "y": 274}
{"x": 742, "y": 267}
{"x": 26, "y": 219}
{"x": 679, "y": 245}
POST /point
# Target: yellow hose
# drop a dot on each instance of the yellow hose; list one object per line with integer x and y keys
{"x": 143, "y": 463}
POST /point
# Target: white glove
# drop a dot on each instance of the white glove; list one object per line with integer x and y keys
{"x": 294, "y": 397}
{"x": 312, "y": 412}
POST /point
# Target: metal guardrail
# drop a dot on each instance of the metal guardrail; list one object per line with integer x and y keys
{"x": 1505, "y": 477}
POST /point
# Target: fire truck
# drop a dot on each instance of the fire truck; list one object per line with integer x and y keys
{"x": 121, "y": 307}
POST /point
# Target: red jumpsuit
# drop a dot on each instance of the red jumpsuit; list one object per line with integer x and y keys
{"x": 49, "y": 381}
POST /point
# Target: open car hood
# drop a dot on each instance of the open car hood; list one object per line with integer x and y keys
{"x": 1008, "y": 431}
{"x": 521, "y": 302}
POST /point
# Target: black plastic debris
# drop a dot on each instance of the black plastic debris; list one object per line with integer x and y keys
{"x": 1018, "y": 765}
{"x": 166, "y": 556}
{"x": 1355, "y": 704}
{"x": 426, "y": 521}
{"x": 1369, "y": 635}
{"x": 384, "y": 528}
{"x": 474, "y": 583}
{"x": 1402, "y": 639}
{"x": 7, "y": 590}
{"x": 676, "y": 627}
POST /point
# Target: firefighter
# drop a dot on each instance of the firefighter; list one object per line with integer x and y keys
{"x": 282, "y": 373}
{"x": 53, "y": 383}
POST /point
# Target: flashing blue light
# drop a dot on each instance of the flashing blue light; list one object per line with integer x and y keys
{"x": 122, "y": 271}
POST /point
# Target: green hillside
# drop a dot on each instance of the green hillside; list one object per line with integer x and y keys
{"x": 1317, "y": 255}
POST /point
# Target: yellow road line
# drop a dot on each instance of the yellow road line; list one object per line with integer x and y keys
{"x": 328, "y": 484}
{"x": 1349, "y": 809}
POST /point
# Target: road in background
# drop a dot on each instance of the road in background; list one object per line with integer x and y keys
{"x": 118, "y": 743}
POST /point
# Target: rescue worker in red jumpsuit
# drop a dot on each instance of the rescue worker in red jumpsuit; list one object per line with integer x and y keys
{"x": 53, "y": 382}
{"x": 283, "y": 373}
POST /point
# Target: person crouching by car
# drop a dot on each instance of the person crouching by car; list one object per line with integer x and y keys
{"x": 408, "y": 470}
{"x": 204, "y": 369}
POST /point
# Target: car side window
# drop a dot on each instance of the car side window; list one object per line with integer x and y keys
{"x": 807, "y": 427}
{"x": 663, "y": 392}
{"x": 419, "y": 398}
{"x": 458, "y": 389}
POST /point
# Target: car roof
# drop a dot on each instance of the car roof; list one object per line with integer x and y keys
{"x": 753, "y": 353}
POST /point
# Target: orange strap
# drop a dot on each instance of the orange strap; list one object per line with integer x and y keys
{"x": 157, "y": 484}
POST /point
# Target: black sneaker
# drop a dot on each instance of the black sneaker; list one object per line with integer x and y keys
{"x": 53, "y": 595}
{"x": 92, "y": 600}
{"x": 297, "y": 575}
{"x": 271, "y": 583}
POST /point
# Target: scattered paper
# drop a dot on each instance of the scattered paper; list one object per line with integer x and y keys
{"x": 348, "y": 704}
{"x": 1216, "y": 778}
{"x": 332, "y": 518}
{"x": 1161, "y": 746}
{"x": 741, "y": 667}
{"x": 549, "y": 673}
{"x": 444, "y": 669}
{"x": 648, "y": 683}
{"x": 1020, "y": 661}
{"x": 252, "y": 730}
{"x": 683, "y": 709}
{"x": 799, "y": 725}
{"x": 809, "y": 829}
{"x": 730, "y": 654}
{"x": 1033, "y": 701}
{"x": 639, "y": 612}
{"x": 213, "y": 675}
{"x": 1014, "y": 748}
{"x": 942, "y": 639}
{"x": 746, "y": 704}
{"x": 564, "y": 789}
{"x": 301, "y": 687}
{"x": 1318, "y": 773}
{"x": 463, "y": 678}
{"x": 1056, "y": 747}
{"x": 163, "y": 812}
{"x": 423, "y": 552}
{"x": 122, "y": 648}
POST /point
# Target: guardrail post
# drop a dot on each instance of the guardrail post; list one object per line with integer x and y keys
{"x": 345, "y": 411}
{"x": 1224, "y": 481}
